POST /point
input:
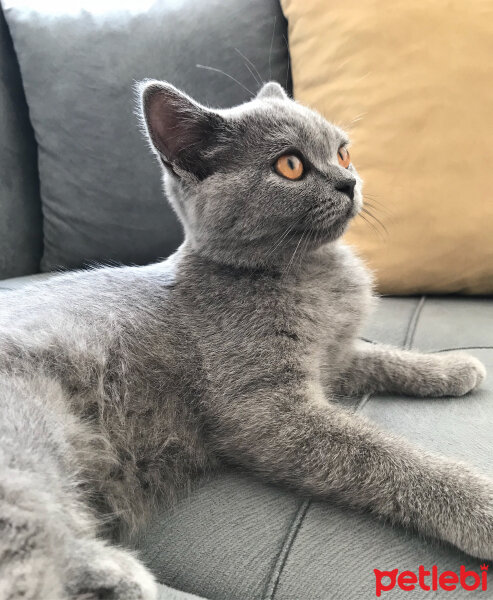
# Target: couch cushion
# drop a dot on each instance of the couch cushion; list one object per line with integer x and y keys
{"x": 167, "y": 593}
{"x": 100, "y": 185}
{"x": 20, "y": 203}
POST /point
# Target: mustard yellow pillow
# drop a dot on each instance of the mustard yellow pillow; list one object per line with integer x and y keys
{"x": 412, "y": 82}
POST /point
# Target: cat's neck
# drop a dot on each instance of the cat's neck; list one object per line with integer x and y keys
{"x": 290, "y": 264}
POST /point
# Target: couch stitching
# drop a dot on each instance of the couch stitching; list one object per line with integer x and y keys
{"x": 461, "y": 348}
{"x": 282, "y": 557}
{"x": 413, "y": 324}
{"x": 438, "y": 350}
{"x": 408, "y": 340}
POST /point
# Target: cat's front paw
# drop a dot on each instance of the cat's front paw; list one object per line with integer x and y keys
{"x": 458, "y": 374}
{"x": 99, "y": 571}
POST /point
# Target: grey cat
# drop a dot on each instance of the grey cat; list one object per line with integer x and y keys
{"x": 118, "y": 386}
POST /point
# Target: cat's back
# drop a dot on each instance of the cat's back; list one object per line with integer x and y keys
{"x": 86, "y": 297}
{"x": 86, "y": 320}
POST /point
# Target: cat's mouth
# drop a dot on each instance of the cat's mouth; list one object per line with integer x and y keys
{"x": 330, "y": 221}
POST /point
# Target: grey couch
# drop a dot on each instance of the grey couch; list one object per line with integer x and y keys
{"x": 78, "y": 186}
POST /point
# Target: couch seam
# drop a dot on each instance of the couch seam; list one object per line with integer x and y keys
{"x": 460, "y": 348}
{"x": 408, "y": 340}
{"x": 282, "y": 557}
{"x": 413, "y": 324}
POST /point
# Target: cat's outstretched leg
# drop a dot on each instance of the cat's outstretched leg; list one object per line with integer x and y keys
{"x": 373, "y": 368}
{"x": 48, "y": 547}
{"x": 292, "y": 436}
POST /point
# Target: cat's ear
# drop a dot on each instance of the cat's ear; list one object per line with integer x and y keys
{"x": 179, "y": 128}
{"x": 272, "y": 89}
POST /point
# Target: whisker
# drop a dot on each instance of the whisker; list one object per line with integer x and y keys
{"x": 289, "y": 61}
{"x": 373, "y": 226}
{"x": 376, "y": 219}
{"x": 271, "y": 45}
{"x": 305, "y": 248}
{"x": 288, "y": 230}
{"x": 257, "y": 78}
{"x": 227, "y": 75}
{"x": 281, "y": 239}
{"x": 381, "y": 209}
{"x": 349, "y": 125}
{"x": 374, "y": 199}
{"x": 294, "y": 253}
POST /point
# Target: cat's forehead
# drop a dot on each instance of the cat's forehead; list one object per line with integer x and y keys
{"x": 287, "y": 122}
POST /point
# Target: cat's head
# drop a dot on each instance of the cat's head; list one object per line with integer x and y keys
{"x": 255, "y": 182}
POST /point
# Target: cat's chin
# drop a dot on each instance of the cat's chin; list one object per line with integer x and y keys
{"x": 335, "y": 229}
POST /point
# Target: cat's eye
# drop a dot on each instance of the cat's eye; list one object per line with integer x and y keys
{"x": 343, "y": 157}
{"x": 289, "y": 166}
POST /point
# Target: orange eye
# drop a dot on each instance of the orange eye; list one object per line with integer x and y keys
{"x": 343, "y": 156}
{"x": 289, "y": 166}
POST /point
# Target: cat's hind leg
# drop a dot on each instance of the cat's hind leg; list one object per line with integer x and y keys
{"x": 40, "y": 561}
{"x": 48, "y": 544}
{"x": 95, "y": 570}
{"x": 374, "y": 368}
{"x": 33, "y": 519}
{"x": 27, "y": 546}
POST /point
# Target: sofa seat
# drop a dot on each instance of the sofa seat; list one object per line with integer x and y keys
{"x": 234, "y": 537}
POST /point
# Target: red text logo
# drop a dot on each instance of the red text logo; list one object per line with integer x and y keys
{"x": 431, "y": 580}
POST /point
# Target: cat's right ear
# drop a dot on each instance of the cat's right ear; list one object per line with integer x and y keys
{"x": 180, "y": 129}
{"x": 272, "y": 89}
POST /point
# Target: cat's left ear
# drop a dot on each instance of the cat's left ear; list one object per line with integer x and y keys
{"x": 272, "y": 89}
{"x": 180, "y": 129}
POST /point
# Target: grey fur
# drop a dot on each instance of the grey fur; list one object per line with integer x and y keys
{"x": 119, "y": 385}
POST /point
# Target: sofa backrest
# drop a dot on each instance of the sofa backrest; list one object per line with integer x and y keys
{"x": 20, "y": 204}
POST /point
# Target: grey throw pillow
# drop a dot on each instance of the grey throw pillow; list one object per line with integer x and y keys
{"x": 100, "y": 186}
{"x": 20, "y": 204}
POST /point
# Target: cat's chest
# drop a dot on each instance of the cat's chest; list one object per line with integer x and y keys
{"x": 329, "y": 299}
{"x": 286, "y": 317}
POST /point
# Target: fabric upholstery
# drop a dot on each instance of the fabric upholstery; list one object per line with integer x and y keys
{"x": 411, "y": 81}
{"x": 167, "y": 593}
{"x": 101, "y": 188}
{"x": 234, "y": 537}
{"x": 224, "y": 541}
{"x": 20, "y": 204}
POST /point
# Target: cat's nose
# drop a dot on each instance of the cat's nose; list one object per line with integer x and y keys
{"x": 346, "y": 186}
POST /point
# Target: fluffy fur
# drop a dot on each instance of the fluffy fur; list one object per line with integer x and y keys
{"x": 119, "y": 385}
